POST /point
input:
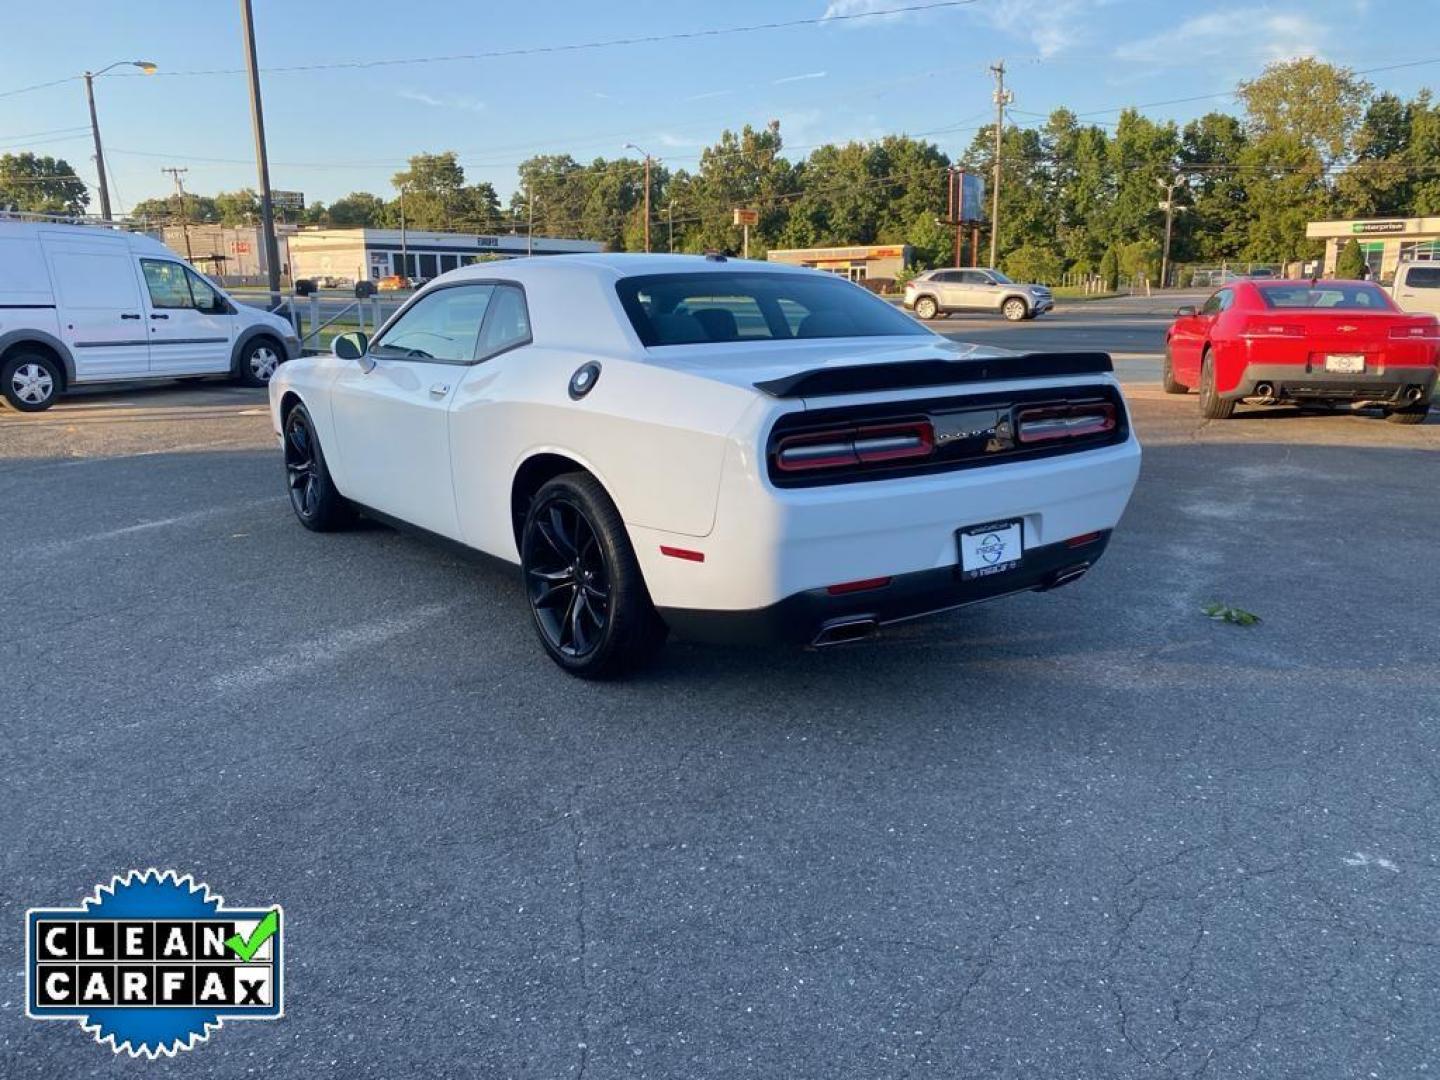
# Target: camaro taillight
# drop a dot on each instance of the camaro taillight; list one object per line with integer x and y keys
{"x": 1271, "y": 328}
{"x": 855, "y": 446}
{"x": 1050, "y": 422}
{"x": 1414, "y": 332}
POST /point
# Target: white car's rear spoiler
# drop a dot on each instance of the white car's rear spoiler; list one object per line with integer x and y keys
{"x": 868, "y": 378}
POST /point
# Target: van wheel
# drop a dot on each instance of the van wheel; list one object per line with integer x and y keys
{"x": 32, "y": 381}
{"x": 587, "y": 596}
{"x": 1015, "y": 309}
{"x": 1212, "y": 405}
{"x": 926, "y": 308}
{"x": 262, "y": 356}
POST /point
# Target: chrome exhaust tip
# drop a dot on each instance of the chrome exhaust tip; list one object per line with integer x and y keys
{"x": 843, "y": 631}
{"x": 1069, "y": 574}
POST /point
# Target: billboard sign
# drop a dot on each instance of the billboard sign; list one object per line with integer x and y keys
{"x": 288, "y": 200}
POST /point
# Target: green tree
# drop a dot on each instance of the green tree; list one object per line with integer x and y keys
{"x": 1110, "y": 270}
{"x": 437, "y": 197}
{"x": 1318, "y": 104}
{"x": 1350, "y": 262}
{"x": 1213, "y": 227}
{"x": 744, "y": 169}
{"x": 237, "y": 207}
{"x": 1034, "y": 263}
{"x": 41, "y": 185}
{"x": 359, "y": 208}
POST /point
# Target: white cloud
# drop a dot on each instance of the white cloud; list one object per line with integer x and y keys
{"x": 708, "y": 95}
{"x": 1052, "y": 26}
{"x": 677, "y": 142}
{"x": 844, "y": 9}
{"x": 1227, "y": 33}
{"x": 801, "y": 78}
{"x": 443, "y": 101}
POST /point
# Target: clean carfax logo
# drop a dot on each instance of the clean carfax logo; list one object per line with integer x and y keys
{"x": 153, "y": 962}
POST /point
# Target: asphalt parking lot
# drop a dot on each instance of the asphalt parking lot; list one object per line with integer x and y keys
{"x": 1088, "y": 833}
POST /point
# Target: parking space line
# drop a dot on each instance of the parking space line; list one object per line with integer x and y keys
{"x": 159, "y": 523}
{"x": 326, "y": 650}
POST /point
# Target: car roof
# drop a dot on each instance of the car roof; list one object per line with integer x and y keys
{"x": 615, "y": 265}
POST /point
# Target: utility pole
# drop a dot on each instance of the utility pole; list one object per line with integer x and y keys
{"x": 1003, "y": 97}
{"x": 530, "y": 229}
{"x": 99, "y": 154}
{"x": 670, "y": 225}
{"x": 647, "y": 204}
{"x": 404, "y": 250}
{"x": 1169, "y": 207}
{"x": 262, "y": 160}
{"x": 180, "y": 195}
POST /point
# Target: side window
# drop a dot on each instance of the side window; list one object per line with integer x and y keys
{"x": 1217, "y": 303}
{"x": 167, "y": 284}
{"x": 507, "y": 323}
{"x": 206, "y": 298}
{"x": 974, "y": 277}
{"x": 445, "y": 325}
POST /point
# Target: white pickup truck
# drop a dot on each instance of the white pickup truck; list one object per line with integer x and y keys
{"x": 1417, "y": 287}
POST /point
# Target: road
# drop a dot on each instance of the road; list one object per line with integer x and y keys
{"x": 1089, "y": 832}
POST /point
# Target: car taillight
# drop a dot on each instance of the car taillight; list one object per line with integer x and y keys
{"x": 1271, "y": 328}
{"x": 1050, "y": 422}
{"x": 870, "y": 445}
{"x": 1412, "y": 332}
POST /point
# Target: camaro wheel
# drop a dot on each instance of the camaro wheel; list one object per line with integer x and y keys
{"x": 926, "y": 308}
{"x": 592, "y": 610}
{"x": 1168, "y": 382}
{"x": 1212, "y": 405}
{"x": 31, "y": 381}
{"x": 1015, "y": 309}
{"x": 312, "y": 494}
{"x": 258, "y": 364}
{"x": 1411, "y": 414}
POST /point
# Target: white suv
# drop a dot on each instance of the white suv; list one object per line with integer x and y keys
{"x": 85, "y": 304}
{"x": 939, "y": 292}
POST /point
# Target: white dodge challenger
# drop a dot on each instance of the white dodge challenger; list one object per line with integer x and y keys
{"x": 735, "y": 451}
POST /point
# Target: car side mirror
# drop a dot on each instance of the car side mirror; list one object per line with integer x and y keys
{"x": 350, "y": 346}
{"x": 1186, "y": 309}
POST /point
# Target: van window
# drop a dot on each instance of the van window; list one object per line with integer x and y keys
{"x": 1423, "y": 277}
{"x": 167, "y": 284}
{"x": 94, "y": 280}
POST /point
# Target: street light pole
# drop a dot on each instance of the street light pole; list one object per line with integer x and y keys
{"x": 1003, "y": 97}
{"x": 149, "y": 69}
{"x": 262, "y": 159}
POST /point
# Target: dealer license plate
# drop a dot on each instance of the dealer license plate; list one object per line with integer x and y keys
{"x": 993, "y": 548}
{"x": 1345, "y": 363}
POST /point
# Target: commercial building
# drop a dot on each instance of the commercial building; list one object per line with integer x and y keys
{"x": 234, "y": 254}
{"x": 879, "y": 263}
{"x": 1385, "y": 242}
{"x": 371, "y": 254}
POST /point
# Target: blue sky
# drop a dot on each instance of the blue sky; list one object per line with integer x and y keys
{"x": 335, "y": 131}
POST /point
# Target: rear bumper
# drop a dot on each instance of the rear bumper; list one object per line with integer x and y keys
{"x": 807, "y": 616}
{"x": 1304, "y": 382}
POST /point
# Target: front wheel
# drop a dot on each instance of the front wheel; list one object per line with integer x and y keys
{"x": 312, "y": 493}
{"x": 1411, "y": 414}
{"x": 591, "y": 609}
{"x": 31, "y": 381}
{"x": 926, "y": 308}
{"x": 261, "y": 357}
{"x": 1212, "y": 405}
{"x": 1168, "y": 382}
{"x": 1015, "y": 309}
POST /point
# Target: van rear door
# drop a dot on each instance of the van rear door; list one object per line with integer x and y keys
{"x": 1417, "y": 288}
{"x": 97, "y": 297}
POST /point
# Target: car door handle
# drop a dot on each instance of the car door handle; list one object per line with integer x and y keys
{"x": 153, "y": 316}
{"x": 129, "y": 316}
{"x": 439, "y": 389}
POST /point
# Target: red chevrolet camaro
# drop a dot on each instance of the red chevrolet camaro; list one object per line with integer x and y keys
{"x": 1305, "y": 343}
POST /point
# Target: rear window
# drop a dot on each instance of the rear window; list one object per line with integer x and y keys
{"x": 1423, "y": 277}
{"x": 739, "y": 306}
{"x": 1326, "y": 295}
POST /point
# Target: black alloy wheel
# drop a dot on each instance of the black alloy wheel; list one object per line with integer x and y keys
{"x": 591, "y": 609}
{"x": 312, "y": 494}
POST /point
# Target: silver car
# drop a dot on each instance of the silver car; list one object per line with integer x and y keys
{"x": 939, "y": 292}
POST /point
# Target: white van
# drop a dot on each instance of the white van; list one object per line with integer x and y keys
{"x": 1417, "y": 287}
{"x": 85, "y": 304}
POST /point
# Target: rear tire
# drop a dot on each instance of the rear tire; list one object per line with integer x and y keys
{"x": 1212, "y": 405}
{"x": 32, "y": 381}
{"x": 1411, "y": 414}
{"x": 1015, "y": 309}
{"x": 926, "y": 308}
{"x": 588, "y": 599}
{"x": 1168, "y": 381}
{"x": 313, "y": 497}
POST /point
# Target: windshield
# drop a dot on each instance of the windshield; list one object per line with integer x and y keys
{"x": 748, "y": 305}
{"x": 1332, "y": 295}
